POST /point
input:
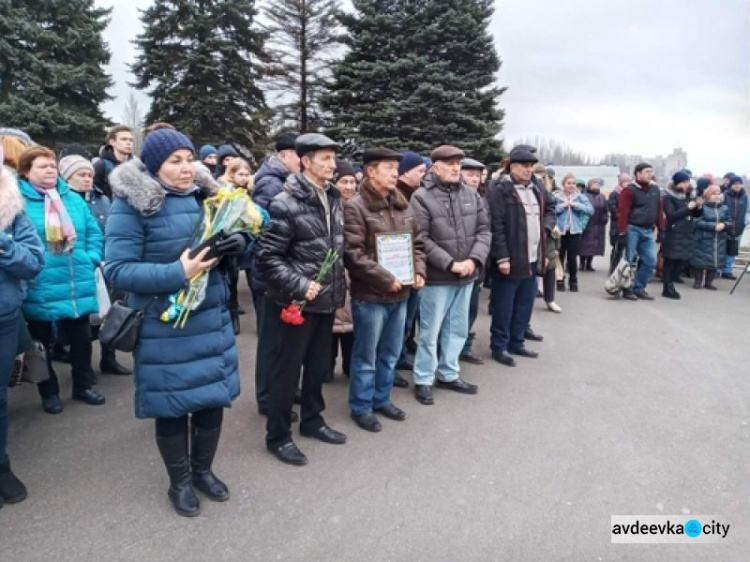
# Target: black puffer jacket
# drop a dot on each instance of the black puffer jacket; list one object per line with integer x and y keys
{"x": 678, "y": 236}
{"x": 509, "y": 232}
{"x": 710, "y": 250}
{"x": 454, "y": 225}
{"x": 289, "y": 255}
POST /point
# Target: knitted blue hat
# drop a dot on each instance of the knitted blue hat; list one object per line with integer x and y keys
{"x": 410, "y": 161}
{"x": 680, "y": 177}
{"x": 159, "y": 145}
{"x": 206, "y": 151}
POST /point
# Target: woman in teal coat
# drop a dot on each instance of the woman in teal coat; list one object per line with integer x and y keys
{"x": 65, "y": 291}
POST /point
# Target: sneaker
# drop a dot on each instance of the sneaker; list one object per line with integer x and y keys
{"x": 554, "y": 307}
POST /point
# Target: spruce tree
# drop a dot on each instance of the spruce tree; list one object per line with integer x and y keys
{"x": 418, "y": 74}
{"x": 52, "y": 79}
{"x": 202, "y": 60}
{"x": 301, "y": 34}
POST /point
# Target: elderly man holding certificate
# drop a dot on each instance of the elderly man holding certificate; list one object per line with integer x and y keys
{"x": 385, "y": 258}
{"x": 454, "y": 224}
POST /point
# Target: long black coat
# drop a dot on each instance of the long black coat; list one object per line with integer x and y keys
{"x": 710, "y": 250}
{"x": 613, "y": 203}
{"x": 289, "y": 255}
{"x": 592, "y": 241}
{"x": 678, "y": 235}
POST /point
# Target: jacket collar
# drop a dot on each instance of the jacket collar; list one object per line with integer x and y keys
{"x": 375, "y": 202}
{"x": 30, "y": 193}
{"x": 299, "y": 187}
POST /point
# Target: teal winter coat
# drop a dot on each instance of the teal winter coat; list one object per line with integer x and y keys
{"x": 65, "y": 288}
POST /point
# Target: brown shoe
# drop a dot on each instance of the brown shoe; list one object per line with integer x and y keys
{"x": 472, "y": 358}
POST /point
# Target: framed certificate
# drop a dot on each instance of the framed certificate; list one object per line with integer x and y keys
{"x": 395, "y": 253}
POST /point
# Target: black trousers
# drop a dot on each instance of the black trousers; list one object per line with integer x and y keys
{"x": 549, "y": 284}
{"x": 569, "y": 246}
{"x": 293, "y": 347}
{"x": 263, "y": 356}
{"x": 346, "y": 342}
{"x": 78, "y": 334}
{"x": 671, "y": 270}
{"x": 232, "y": 269}
{"x": 211, "y": 418}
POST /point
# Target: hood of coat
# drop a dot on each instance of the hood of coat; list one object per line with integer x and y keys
{"x": 299, "y": 187}
{"x": 11, "y": 201}
{"x": 375, "y": 202}
{"x": 272, "y": 167}
{"x": 132, "y": 182}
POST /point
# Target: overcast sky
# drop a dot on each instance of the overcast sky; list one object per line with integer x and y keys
{"x": 633, "y": 76}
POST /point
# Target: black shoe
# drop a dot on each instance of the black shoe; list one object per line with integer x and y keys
{"x": 174, "y": 452}
{"x": 294, "y": 418}
{"x": 89, "y": 397}
{"x": 240, "y": 311}
{"x": 236, "y": 325}
{"x": 288, "y": 453}
{"x": 112, "y": 367}
{"x": 729, "y": 276}
{"x": 629, "y": 295}
{"x": 326, "y": 435}
{"x": 423, "y": 394}
{"x": 404, "y": 366}
{"x": 669, "y": 292}
{"x": 472, "y": 358}
{"x": 531, "y": 335}
{"x": 504, "y": 358}
{"x": 643, "y": 295}
{"x": 12, "y": 489}
{"x": 561, "y": 286}
{"x": 458, "y": 385}
{"x": 574, "y": 287}
{"x": 51, "y": 404}
{"x": 392, "y": 412}
{"x": 400, "y": 382}
{"x": 368, "y": 422}
{"x": 202, "y": 453}
{"x": 523, "y": 352}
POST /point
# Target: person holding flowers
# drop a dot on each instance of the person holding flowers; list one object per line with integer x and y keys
{"x": 185, "y": 364}
{"x": 299, "y": 260}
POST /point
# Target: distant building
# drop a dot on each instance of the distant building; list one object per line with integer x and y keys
{"x": 664, "y": 166}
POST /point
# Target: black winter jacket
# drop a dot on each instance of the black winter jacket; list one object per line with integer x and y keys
{"x": 103, "y": 167}
{"x": 678, "y": 236}
{"x": 509, "y": 232}
{"x": 613, "y": 203}
{"x": 289, "y": 254}
{"x": 710, "y": 249}
{"x": 736, "y": 202}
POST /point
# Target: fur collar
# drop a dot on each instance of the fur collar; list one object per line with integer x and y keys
{"x": 132, "y": 182}
{"x": 374, "y": 201}
{"x": 11, "y": 200}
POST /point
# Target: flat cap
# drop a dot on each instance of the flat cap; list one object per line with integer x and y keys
{"x": 471, "y": 164}
{"x": 523, "y": 153}
{"x": 446, "y": 152}
{"x": 285, "y": 141}
{"x": 310, "y": 142}
{"x": 378, "y": 153}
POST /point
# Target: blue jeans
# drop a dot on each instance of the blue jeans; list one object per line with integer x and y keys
{"x": 444, "y": 316}
{"x": 378, "y": 337}
{"x": 729, "y": 262}
{"x": 512, "y": 305}
{"x": 641, "y": 243}
{"x": 473, "y": 313}
{"x": 8, "y": 352}
{"x": 412, "y": 307}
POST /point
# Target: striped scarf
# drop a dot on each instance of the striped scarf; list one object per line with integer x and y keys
{"x": 58, "y": 228}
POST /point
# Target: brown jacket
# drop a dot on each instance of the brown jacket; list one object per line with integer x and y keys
{"x": 365, "y": 216}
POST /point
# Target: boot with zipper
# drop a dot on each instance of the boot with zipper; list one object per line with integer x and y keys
{"x": 698, "y": 283}
{"x": 174, "y": 451}
{"x": 204, "y": 445}
{"x": 710, "y": 276}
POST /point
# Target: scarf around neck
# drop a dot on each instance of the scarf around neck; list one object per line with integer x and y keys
{"x": 58, "y": 228}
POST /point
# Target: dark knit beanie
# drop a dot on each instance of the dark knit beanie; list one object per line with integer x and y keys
{"x": 680, "y": 177}
{"x": 159, "y": 145}
{"x": 343, "y": 168}
{"x": 410, "y": 161}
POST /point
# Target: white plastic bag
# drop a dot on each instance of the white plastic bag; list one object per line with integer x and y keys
{"x": 102, "y": 297}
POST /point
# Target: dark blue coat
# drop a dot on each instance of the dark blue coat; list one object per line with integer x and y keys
{"x": 710, "y": 248}
{"x": 177, "y": 370}
{"x": 736, "y": 203}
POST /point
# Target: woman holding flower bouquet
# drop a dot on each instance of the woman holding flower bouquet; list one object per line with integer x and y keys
{"x": 186, "y": 360}
{"x": 299, "y": 260}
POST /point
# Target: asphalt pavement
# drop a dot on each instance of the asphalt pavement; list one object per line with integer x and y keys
{"x": 633, "y": 408}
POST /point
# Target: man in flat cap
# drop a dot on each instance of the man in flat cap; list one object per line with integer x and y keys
{"x": 454, "y": 225}
{"x": 306, "y": 222}
{"x": 522, "y": 217}
{"x": 379, "y": 294}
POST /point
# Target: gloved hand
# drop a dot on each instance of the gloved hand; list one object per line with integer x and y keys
{"x": 622, "y": 240}
{"x": 232, "y": 245}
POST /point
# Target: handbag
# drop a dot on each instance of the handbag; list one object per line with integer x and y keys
{"x": 733, "y": 247}
{"x": 30, "y": 366}
{"x": 121, "y": 327}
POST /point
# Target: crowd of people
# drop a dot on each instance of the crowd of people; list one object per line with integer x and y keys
{"x": 324, "y": 285}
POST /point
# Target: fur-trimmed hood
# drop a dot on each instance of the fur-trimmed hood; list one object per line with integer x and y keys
{"x": 11, "y": 200}
{"x": 375, "y": 202}
{"x": 132, "y": 182}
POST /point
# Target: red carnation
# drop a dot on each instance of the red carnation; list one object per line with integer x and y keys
{"x": 292, "y": 314}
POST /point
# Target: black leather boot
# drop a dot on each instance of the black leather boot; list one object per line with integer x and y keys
{"x": 12, "y": 489}
{"x": 174, "y": 451}
{"x": 109, "y": 364}
{"x": 203, "y": 450}
{"x": 710, "y": 276}
{"x": 698, "y": 283}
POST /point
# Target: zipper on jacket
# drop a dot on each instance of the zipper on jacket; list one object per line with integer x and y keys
{"x": 71, "y": 267}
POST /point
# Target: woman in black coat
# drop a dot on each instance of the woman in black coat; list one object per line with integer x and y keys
{"x": 592, "y": 241}
{"x": 677, "y": 245}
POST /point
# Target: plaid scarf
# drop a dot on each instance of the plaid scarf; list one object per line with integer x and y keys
{"x": 58, "y": 228}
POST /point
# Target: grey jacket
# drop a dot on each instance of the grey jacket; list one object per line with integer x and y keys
{"x": 454, "y": 224}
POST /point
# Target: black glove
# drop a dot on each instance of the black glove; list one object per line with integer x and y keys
{"x": 622, "y": 240}
{"x": 232, "y": 245}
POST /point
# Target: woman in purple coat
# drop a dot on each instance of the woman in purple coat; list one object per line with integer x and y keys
{"x": 592, "y": 242}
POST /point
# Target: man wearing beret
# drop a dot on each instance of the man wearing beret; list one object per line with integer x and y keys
{"x": 454, "y": 226}
{"x": 306, "y": 222}
{"x": 522, "y": 217}
{"x": 378, "y": 296}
